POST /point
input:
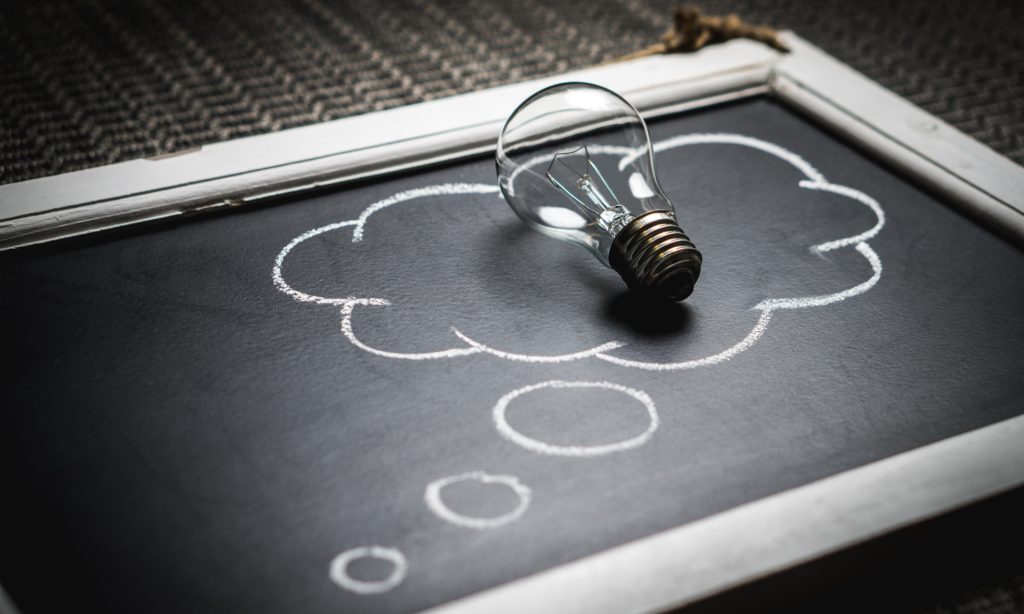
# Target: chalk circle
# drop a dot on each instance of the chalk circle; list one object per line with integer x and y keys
{"x": 339, "y": 569}
{"x": 535, "y": 445}
{"x": 438, "y": 506}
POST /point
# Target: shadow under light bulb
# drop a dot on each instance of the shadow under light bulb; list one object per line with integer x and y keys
{"x": 575, "y": 162}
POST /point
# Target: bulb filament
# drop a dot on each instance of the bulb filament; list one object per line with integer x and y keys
{"x": 604, "y": 207}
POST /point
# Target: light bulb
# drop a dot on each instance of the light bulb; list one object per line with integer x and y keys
{"x": 575, "y": 162}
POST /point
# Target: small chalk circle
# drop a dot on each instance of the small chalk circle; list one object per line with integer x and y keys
{"x": 339, "y": 569}
{"x": 436, "y": 503}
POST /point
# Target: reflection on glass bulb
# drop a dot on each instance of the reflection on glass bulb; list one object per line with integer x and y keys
{"x": 575, "y": 162}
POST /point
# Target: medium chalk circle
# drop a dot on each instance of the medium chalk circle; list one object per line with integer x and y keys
{"x": 339, "y": 570}
{"x": 534, "y": 445}
{"x": 438, "y": 506}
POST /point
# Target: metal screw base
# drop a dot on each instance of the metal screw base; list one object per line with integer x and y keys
{"x": 653, "y": 254}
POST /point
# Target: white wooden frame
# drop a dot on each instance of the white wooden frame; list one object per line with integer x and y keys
{"x": 697, "y": 559}
{"x": 257, "y": 168}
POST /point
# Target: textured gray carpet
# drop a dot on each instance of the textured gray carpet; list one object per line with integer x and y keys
{"x": 91, "y": 82}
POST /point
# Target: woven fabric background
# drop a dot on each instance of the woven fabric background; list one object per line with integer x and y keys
{"x": 91, "y": 82}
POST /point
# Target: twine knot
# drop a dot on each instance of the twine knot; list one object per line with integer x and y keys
{"x": 692, "y": 30}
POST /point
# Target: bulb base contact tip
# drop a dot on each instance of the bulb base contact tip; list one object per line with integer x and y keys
{"x": 653, "y": 255}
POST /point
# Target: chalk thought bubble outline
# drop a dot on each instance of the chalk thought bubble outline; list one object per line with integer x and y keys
{"x": 813, "y": 180}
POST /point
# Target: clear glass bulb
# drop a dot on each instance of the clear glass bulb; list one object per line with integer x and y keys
{"x": 575, "y": 162}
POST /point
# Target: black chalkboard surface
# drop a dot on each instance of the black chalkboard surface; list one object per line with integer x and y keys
{"x": 203, "y": 417}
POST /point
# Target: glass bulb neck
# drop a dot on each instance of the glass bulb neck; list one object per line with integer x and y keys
{"x": 654, "y": 255}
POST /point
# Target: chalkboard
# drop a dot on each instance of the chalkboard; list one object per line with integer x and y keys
{"x": 393, "y": 395}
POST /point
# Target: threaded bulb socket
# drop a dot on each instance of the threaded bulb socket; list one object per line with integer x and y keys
{"x": 653, "y": 255}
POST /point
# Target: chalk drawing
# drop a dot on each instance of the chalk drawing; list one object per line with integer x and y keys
{"x": 533, "y": 358}
{"x": 432, "y": 496}
{"x": 812, "y": 180}
{"x": 357, "y": 236}
{"x": 346, "y": 329}
{"x": 540, "y": 447}
{"x": 707, "y": 361}
{"x": 339, "y": 569}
